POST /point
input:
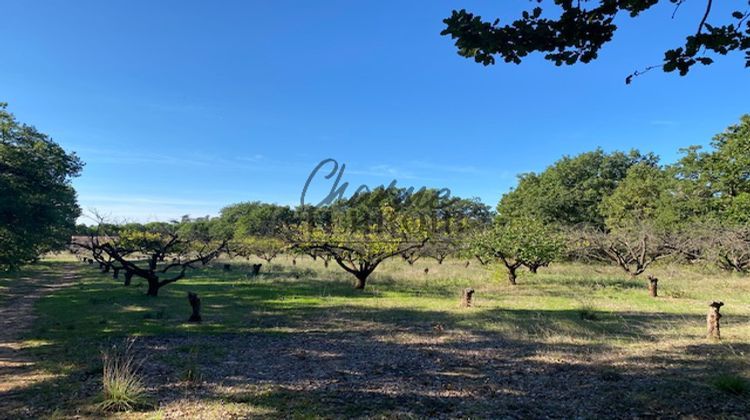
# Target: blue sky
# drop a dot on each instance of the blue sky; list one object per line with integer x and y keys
{"x": 182, "y": 107}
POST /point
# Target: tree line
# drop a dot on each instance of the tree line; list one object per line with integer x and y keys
{"x": 625, "y": 208}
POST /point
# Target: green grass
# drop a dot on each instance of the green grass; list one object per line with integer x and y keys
{"x": 731, "y": 384}
{"x": 594, "y": 304}
{"x": 585, "y": 305}
{"x": 122, "y": 386}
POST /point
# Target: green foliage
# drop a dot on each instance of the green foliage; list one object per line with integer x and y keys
{"x": 521, "y": 241}
{"x": 38, "y": 209}
{"x": 644, "y": 196}
{"x": 571, "y": 190}
{"x": 716, "y": 183}
{"x": 255, "y": 219}
{"x": 264, "y": 247}
{"x": 576, "y": 32}
{"x": 361, "y": 232}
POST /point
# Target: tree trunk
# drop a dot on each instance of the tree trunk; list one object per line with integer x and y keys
{"x": 128, "y": 277}
{"x": 512, "y": 275}
{"x": 361, "y": 281}
{"x": 153, "y": 287}
{"x": 195, "y": 303}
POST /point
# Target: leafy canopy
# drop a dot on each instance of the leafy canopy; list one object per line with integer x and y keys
{"x": 570, "y": 191}
{"x": 38, "y": 208}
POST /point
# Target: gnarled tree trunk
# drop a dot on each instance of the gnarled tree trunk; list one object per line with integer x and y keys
{"x": 361, "y": 280}
{"x": 512, "y": 275}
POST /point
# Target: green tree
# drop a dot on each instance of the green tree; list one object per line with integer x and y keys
{"x": 264, "y": 247}
{"x": 576, "y": 31}
{"x": 256, "y": 219}
{"x": 38, "y": 208}
{"x": 361, "y": 232}
{"x": 519, "y": 242}
{"x": 570, "y": 191}
{"x": 646, "y": 195}
{"x": 715, "y": 184}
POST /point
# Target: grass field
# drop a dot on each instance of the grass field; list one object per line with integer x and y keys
{"x": 299, "y": 341}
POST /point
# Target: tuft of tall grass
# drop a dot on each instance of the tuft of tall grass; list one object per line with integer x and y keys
{"x": 731, "y": 384}
{"x": 121, "y": 383}
{"x": 192, "y": 373}
{"x": 588, "y": 312}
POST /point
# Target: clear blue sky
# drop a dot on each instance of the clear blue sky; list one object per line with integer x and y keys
{"x": 182, "y": 107}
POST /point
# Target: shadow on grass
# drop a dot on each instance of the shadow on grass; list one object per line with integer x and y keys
{"x": 277, "y": 343}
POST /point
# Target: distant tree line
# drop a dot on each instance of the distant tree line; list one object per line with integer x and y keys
{"x": 627, "y": 209}
{"x": 622, "y": 208}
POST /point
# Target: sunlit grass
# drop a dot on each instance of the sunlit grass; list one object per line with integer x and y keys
{"x": 563, "y": 304}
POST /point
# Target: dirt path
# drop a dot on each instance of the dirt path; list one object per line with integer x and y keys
{"x": 17, "y": 370}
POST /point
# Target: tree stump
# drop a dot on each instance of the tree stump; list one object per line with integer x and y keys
{"x": 653, "y": 286}
{"x": 712, "y": 320}
{"x": 227, "y": 267}
{"x": 466, "y": 297}
{"x": 195, "y": 303}
{"x": 256, "y": 269}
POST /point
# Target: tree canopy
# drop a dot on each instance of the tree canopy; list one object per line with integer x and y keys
{"x": 38, "y": 208}
{"x": 519, "y": 242}
{"x": 571, "y": 190}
